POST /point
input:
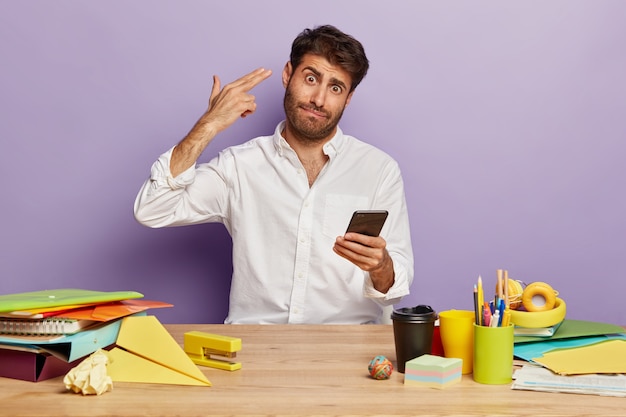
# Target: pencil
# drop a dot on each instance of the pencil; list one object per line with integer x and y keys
{"x": 476, "y": 310}
{"x": 481, "y": 299}
{"x": 506, "y": 289}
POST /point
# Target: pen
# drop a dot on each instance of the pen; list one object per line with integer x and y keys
{"x": 495, "y": 319}
{"x": 506, "y": 320}
{"x": 486, "y": 314}
{"x": 500, "y": 312}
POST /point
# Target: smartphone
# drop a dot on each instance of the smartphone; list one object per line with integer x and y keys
{"x": 367, "y": 222}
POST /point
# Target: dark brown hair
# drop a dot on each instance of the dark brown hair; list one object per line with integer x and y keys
{"x": 337, "y": 47}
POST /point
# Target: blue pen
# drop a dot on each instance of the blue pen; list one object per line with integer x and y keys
{"x": 501, "y": 311}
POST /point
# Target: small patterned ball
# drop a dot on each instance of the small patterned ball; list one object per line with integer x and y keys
{"x": 380, "y": 367}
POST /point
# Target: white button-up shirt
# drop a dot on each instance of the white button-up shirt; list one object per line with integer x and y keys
{"x": 283, "y": 231}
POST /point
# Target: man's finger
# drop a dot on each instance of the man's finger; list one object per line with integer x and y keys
{"x": 215, "y": 90}
{"x": 251, "y": 80}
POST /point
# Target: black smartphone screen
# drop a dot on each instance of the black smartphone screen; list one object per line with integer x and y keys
{"x": 367, "y": 222}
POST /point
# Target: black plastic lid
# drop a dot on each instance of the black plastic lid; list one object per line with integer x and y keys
{"x": 418, "y": 314}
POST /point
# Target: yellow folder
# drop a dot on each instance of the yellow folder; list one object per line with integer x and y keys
{"x": 607, "y": 357}
{"x": 146, "y": 352}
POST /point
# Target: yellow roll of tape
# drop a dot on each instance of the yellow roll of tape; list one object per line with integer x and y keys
{"x": 538, "y": 296}
{"x": 536, "y": 319}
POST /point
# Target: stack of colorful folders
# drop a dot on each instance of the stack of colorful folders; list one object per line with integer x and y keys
{"x": 43, "y": 334}
{"x": 577, "y": 348}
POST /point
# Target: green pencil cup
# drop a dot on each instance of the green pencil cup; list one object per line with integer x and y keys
{"x": 493, "y": 354}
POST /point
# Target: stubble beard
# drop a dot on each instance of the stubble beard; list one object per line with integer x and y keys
{"x": 308, "y": 129}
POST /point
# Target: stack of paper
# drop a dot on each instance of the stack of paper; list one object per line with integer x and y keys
{"x": 569, "y": 329}
{"x": 535, "y": 378}
{"x": 538, "y": 332}
{"x": 433, "y": 371}
{"x": 582, "y": 357}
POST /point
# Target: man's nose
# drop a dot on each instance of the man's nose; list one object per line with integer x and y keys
{"x": 318, "y": 96}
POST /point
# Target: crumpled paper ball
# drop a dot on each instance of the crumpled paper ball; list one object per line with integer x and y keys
{"x": 90, "y": 376}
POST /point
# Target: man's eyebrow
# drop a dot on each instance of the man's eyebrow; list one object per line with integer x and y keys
{"x": 332, "y": 80}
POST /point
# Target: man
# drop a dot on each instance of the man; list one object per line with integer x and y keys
{"x": 286, "y": 199}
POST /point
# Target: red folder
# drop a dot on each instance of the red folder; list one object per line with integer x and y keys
{"x": 32, "y": 366}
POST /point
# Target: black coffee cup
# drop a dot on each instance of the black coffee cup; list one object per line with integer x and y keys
{"x": 413, "y": 329}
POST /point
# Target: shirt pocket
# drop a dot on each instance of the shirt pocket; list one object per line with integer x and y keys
{"x": 338, "y": 209}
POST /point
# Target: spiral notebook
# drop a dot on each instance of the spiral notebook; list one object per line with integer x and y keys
{"x": 43, "y": 327}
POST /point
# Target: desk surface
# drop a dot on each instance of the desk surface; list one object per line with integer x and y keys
{"x": 299, "y": 370}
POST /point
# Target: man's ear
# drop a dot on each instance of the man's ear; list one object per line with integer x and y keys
{"x": 349, "y": 98}
{"x": 287, "y": 73}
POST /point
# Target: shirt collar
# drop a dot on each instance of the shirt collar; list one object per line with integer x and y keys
{"x": 331, "y": 148}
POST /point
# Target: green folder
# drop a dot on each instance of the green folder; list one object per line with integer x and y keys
{"x": 61, "y": 297}
{"x": 575, "y": 328}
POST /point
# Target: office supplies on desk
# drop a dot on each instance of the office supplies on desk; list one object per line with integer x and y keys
{"x": 212, "y": 350}
{"x": 146, "y": 352}
{"x": 60, "y": 297}
{"x": 300, "y": 370}
{"x": 509, "y": 298}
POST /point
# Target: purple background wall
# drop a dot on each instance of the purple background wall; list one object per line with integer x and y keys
{"x": 507, "y": 119}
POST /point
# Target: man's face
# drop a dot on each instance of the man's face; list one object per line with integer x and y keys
{"x": 316, "y": 94}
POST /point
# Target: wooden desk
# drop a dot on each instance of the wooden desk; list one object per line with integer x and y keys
{"x": 299, "y": 370}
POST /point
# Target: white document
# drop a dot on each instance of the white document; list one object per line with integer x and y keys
{"x": 536, "y": 378}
